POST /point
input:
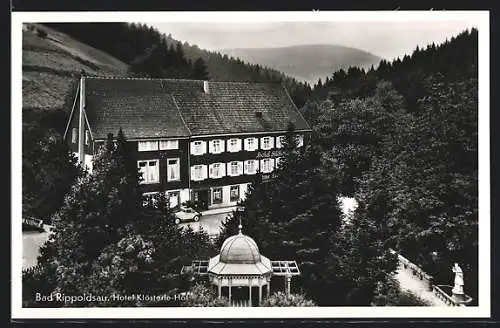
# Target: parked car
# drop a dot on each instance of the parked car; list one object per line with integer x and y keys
{"x": 186, "y": 214}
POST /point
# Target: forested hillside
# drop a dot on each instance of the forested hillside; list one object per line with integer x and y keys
{"x": 307, "y": 62}
{"x": 403, "y": 140}
{"x": 154, "y": 54}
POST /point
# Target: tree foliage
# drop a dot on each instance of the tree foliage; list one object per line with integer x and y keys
{"x": 407, "y": 150}
{"x": 48, "y": 170}
{"x": 201, "y": 295}
{"x": 280, "y": 299}
{"x": 107, "y": 242}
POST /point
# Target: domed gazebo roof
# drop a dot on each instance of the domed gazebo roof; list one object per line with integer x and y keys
{"x": 239, "y": 255}
{"x": 239, "y": 249}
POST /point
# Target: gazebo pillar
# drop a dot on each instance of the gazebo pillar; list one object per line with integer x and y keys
{"x": 219, "y": 287}
{"x": 260, "y": 290}
{"x": 230, "y": 284}
{"x": 268, "y": 286}
{"x": 250, "y": 291}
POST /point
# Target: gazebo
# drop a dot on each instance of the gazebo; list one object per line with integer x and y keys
{"x": 240, "y": 267}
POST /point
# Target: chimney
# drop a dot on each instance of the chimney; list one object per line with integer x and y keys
{"x": 205, "y": 86}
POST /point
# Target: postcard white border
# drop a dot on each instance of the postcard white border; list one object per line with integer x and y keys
{"x": 481, "y": 21}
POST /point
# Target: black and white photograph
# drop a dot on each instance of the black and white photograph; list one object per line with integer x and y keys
{"x": 184, "y": 165}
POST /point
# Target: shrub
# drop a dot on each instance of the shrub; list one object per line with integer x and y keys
{"x": 392, "y": 295}
{"x": 200, "y": 295}
{"x": 282, "y": 299}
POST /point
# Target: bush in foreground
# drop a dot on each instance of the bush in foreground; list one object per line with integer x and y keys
{"x": 281, "y": 299}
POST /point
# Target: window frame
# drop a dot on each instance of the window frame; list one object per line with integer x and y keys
{"x": 270, "y": 142}
{"x": 200, "y": 144}
{"x": 271, "y": 165}
{"x": 198, "y": 166}
{"x": 168, "y": 196}
{"x": 147, "y": 161}
{"x": 220, "y": 144}
{"x": 231, "y": 165}
{"x": 219, "y": 172}
{"x": 254, "y": 165}
{"x": 237, "y": 197}
{"x": 255, "y": 143}
{"x": 217, "y": 189}
{"x": 150, "y": 142}
{"x": 178, "y": 178}
{"x": 279, "y": 141}
{"x": 163, "y": 144}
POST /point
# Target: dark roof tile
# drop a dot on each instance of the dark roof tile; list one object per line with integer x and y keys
{"x": 152, "y": 108}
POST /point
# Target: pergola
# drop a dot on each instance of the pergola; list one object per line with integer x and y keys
{"x": 240, "y": 264}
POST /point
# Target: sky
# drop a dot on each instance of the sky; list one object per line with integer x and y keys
{"x": 384, "y": 39}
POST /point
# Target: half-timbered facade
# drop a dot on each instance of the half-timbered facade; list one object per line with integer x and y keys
{"x": 195, "y": 140}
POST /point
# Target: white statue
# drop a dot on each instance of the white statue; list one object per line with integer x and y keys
{"x": 458, "y": 289}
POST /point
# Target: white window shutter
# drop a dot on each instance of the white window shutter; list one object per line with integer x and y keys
{"x": 271, "y": 142}
{"x": 203, "y": 147}
{"x": 204, "y": 174}
{"x": 240, "y": 168}
{"x": 262, "y": 143}
{"x": 222, "y": 146}
{"x": 211, "y": 147}
{"x": 228, "y": 168}
{"x": 193, "y": 177}
{"x": 222, "y": 169}
{"x": 272, "y": 164}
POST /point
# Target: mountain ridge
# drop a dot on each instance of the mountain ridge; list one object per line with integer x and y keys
{"x": 308, "y": 62}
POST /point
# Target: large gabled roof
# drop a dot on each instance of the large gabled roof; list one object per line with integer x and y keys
{"x": 155, "y": 108}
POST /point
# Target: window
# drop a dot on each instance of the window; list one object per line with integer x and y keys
{"x": 74, "y": 135}
{"x": 266, "y": 165}
{"x": 235, "y": 168}
{"x": 147, "y": 145}
{"x": 87, "y": 137}
{"x": 217, "y": 146}
{"x": 251, "y": 166}
{"x": 277, "y": 160}
{"x": 234, "y": 145}
{"x": 300, "y": 140}
{"x": 198, "y": 147}
{"x": 173, "y": 169}
{"x": 173, "y": 199}
{"x": 251, "y": 144}
{"x": 217, "y": 170}
{"x": 216, "y": 195}
{"x": 266, "y": 143}
{"x": 149, "y": 171}
{"x": 234, "y": 193}
{"x": 198, "y": 172}
{"x": 169, "y": 144}
{"x": 279, "y": 141}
